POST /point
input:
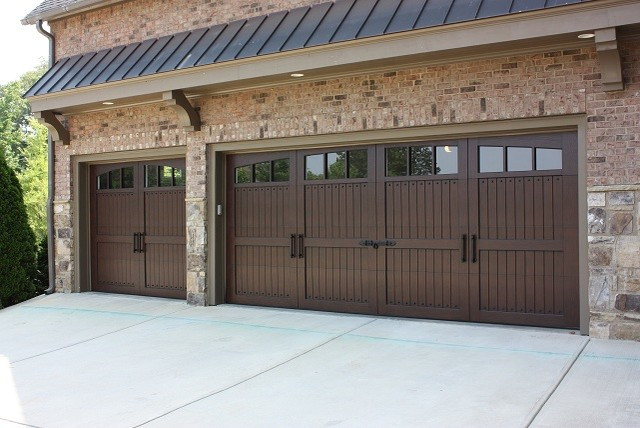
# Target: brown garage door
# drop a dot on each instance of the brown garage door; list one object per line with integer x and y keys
{"x": 480, "y": 229}
{"x": 138, "y": 228}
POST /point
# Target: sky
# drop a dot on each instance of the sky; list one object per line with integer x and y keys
{"x": 22, "y": 47}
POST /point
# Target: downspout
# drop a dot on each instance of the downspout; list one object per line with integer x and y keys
{"x": 51, "y": 176}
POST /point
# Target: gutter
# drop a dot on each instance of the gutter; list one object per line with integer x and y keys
{"x": 51, "y": 176}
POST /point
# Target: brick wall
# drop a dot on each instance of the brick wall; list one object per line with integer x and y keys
{"x": 544, "y": 84}
{"x": 136, "y": 20}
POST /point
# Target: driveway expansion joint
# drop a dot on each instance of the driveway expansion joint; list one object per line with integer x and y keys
{"x": 150, "y": 318}
{"x": 534, "y": 414}
{"x": 226, "y": 388}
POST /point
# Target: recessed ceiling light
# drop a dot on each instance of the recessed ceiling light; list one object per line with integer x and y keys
{"x": 297, "y": 75}
{"x": 108, "y": 103}
{"x": 586, "y": 36}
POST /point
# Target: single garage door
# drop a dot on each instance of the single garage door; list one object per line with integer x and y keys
{"x": 138, "y": 228}
{"x": 478, "y": 229}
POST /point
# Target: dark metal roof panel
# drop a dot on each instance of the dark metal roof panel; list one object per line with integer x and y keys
{"x": 330, "y": 23}
{"x": 490, "y": 8}
{"x": 203, "y": 44}
{"x": 35, "y": 89}
{"x": 149, "y": 56}
{"x": 379, "y": 18}
{"x": 262, "y": 35}
{"x": 241, "y": 39}
{"x": 434, "y": 13}
{"x": 101, "y": 66}
{"x": 114, "y": 64}
{"x": 307, "y": 26}
{"x": 463, "y": 10}
{"x": 284, "y": 30}
{"x": 132, "y": 60}
{"x": 526, "y": 5}
{"x": 221, "y": 43}
{"x": 164, "y": 54}
{"x": 277, "y": 32}
{"x": 354, "y": 21}
{"x": 73, "y": 71}
{"x": 406, "y": 16}
{"x": 88, "y": 68}
{"x": 60, "y": 74}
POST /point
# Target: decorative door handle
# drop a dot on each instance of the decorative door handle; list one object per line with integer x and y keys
{"x": 292, "y": 246}
{"x": 141, "y": 242}
{"x": 474, "y": 239}
{"x": 135, "y": 242}
{"x": 463, "y": 252}
{"x": 300, "y": 246}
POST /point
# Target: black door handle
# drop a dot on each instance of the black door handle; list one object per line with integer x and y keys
{"x": 463, "y": 258}
{"x": 135, "y": 242}
{"x": 474, "y": 238}
{"x": 292, "y": 246}
{"x": 141, "y": 242}
{"x": 300, "y": 246}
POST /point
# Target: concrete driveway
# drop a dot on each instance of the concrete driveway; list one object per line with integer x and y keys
{"x": 92, "y": 360}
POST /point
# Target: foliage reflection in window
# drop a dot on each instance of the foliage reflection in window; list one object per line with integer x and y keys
{"x": 263, "y": 172}
{"x": 421, "y": 160}
{"x": 337, "y": 165}
{"x": 163, "y": 176}
{"x": 120, "y": 178}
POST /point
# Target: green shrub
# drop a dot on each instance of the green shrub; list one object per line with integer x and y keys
{"x": 42, "y": 266}
{"x": 17, "y": 242}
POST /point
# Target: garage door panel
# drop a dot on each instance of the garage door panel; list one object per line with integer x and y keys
{"x": 522, "y": 281}
{"x": 264, "y": 271}
{"x": 340, "y": 275}
{"x": 116, "y": 270}
{"x": 113, "y": 214}
{"x": 422, "y": 209}
{"x": 259, "y": 211}
{"x": 164, "y": 268}
{"x": 165, "y": 213}
{"x": 340, "y": 210}
{"x": 424, "y": 278}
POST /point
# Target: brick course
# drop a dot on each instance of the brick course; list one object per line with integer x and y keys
{"x": 543, "y": 84}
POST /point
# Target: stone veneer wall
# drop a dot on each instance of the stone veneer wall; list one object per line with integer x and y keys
{"x": 614, "y": 260}
{"x": 136, "y": 20}
{"x": 543, "y": 84}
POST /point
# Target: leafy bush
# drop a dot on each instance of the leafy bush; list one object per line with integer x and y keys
{"x": 42, "y": 266}
{"x": 17, "y": 242}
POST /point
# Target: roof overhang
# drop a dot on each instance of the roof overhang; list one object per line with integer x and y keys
{"x": 66, "y": 10}
{"x": 511, "y": 34}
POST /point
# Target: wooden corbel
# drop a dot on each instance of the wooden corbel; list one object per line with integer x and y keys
{"x": 189, "y": 117}
{"x": 56, "y": 129}
{"x": 609, "y": 56}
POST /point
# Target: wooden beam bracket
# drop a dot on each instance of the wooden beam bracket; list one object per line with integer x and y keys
{"x": 189, "y": 116}
{"x": 59, "y": 134}
{"x": 610, "y": 62}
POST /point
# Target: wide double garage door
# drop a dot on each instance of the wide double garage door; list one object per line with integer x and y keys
{"x": 478, "y": 229}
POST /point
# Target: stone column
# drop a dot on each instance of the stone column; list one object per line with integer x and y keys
{"x": 196, "y": 206}
{"x": 614, "y": 261}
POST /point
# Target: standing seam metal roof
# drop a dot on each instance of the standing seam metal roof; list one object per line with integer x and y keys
{"x": 298, "y": 28}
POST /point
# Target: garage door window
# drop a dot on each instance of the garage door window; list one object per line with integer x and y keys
{"x": 419, "y": 161}
{"x": 336, "y": 165}
{"x": 120, "y": 178}
{"x": 163, "y": 176}
{"x": 263, "y": 172}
